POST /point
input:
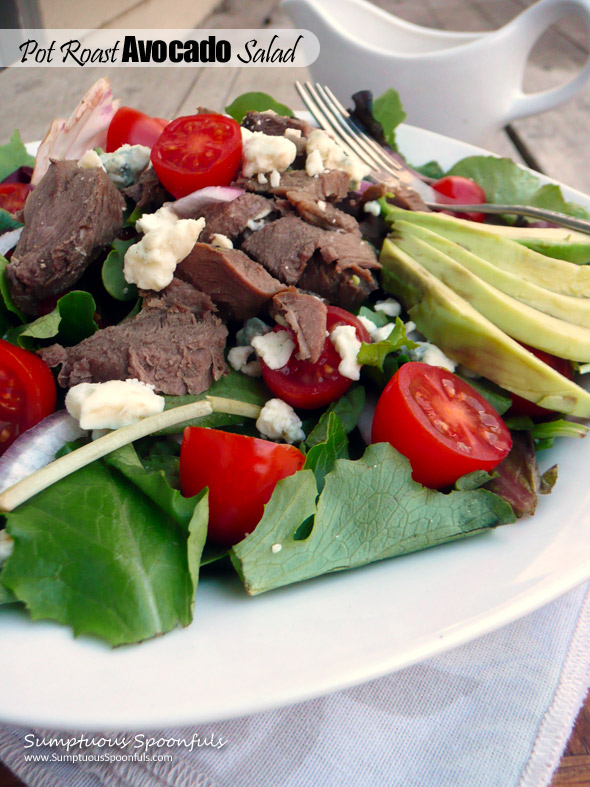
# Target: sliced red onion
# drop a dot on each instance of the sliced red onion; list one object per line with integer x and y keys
{"x": 8, "y": 240}
{"x": 189, "y": 206}
{"x": 37, "y": 447}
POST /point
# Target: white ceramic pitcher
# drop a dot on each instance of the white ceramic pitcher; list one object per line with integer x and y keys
{"x": 465, "y": 85}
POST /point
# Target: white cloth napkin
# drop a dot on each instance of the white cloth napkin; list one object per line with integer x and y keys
{"x": 495, "y": 712}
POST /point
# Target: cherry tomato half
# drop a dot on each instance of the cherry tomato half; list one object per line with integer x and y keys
{"x": 27, "y": 392}
{"x": 443, "y": 426}
{"x": 131, "y": 127}
{"x": 309, "y": 385}
{"x": 13, "y": 196}
{"x": 241, "y": 473}
{"x": 197, "y": 151}
{"x": 463, "y": 191}
{"x": 522, "y": 406}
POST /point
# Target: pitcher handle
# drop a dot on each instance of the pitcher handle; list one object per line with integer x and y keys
{"x": 526, "y": 29}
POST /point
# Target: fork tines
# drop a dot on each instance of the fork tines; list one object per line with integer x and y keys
{"x": 332, "y": 116}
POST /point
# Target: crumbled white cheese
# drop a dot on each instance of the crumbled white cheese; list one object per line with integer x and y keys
{"x": 167, "y": 241}
{"x": 294, "y": 133}
{"x": 221, "y": 241}
{"x": 347, "y": 345}
{"x": 390, "y": 307}
{"x": 261, "y": 178}
{"x": 112, "y": 404}
{"x": 265, "y": 153}
{"x": 258, "y": 221}
{"x": 251, "y": 328}
{"x": 279, "y": 421}
{"x": 275, "y": 179}
{"x": 276, "y": 548}
{"x": 321, "y": 204}
{"x": 369, "y": 324}
{"x": 372, "y": 207}
{"x": 240, "y": 359}
{"x": 126, "y": 163}
{"x": 380, "y": 334}
{"x": 321, "y": 147}
{"x": 6, "y": 546}
{"x": 90, "y": 160}
{"x": 314, "y": 164}
{"x": 275, "y": 348}
{"x": 432, "y": 355}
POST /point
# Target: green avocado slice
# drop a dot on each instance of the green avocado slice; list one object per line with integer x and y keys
{"x": 557, "y": 242}
{"x": 563, "y": 307}
{"x": 518, "y": 320}
{"x": 505, "y": 253}
{"x": 449, "y": 321}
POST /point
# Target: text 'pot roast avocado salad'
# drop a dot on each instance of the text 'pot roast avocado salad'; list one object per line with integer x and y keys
{"x": 222, "y": 342}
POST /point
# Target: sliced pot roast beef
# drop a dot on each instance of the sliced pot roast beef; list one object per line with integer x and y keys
{"x": 70, "y": 217}
{"x": 284, "y": 247}
{"x": 306, "y": 316}
{"x": 232, "y": 218}
{"x": 238, "y": 285}
{"x": 175, "y": 343}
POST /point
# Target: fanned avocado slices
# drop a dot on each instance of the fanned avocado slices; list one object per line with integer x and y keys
{"x": 451, "y": 322}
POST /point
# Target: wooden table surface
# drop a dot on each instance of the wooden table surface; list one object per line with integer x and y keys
{"x": 556, "y": 142}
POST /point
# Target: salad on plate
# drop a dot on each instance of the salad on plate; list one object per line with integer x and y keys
{"x": 223, "y": 345}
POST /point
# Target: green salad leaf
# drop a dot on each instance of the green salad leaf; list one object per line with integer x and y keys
{"x": 348, "y": 410}
{"x": 504, "y": 182}
{"x": 375, "y": 353}
{"x": 322, "y": 456}
{"x": 111, "y": 551}
{"x": 71, "y": 321}
{"x": 112, "y": 272}
{"x": 370, "y": 509}
{"x": 14, "y": 155}
{"x": 255, "y": 102}
{"x": 8, "y": 222}
{"x": 388, "y": 111}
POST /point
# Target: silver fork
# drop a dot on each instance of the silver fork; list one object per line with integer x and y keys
{"x": 331, "y": 115}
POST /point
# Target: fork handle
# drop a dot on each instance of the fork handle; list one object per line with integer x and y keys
{"x": 570, "y": 222}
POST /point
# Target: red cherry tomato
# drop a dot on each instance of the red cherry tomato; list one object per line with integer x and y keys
{"x": 131, "y": 127}
{"x": 522, "y": 406}
{"x": 443, "y": 426}
{"x": 13, "y": 196}
{"x": 27, "y": 392}
{"x": 309, "y": 385}
{"x": 197, "y": 151}
{"x": 241, "y": 473}
{"x": 463, "y": 191}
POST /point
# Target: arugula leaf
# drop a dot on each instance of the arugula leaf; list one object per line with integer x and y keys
{"x": 473, "y": 480}
{"x": 386, "y": 514}
{"x": 375, "y": 353}
{"x": 112, "y": 272}
{"x": 348, "y": 410}
{"x": 505, "y": 182}
{"x": 71, "y": 321}
{"x": 322, "y": 456}
{"x": 255, "y": 102}
{"x": 431, "y": 169}
{"x": 8, "y": 303}
{"x": 14, "y": 155}
{"x": 110, "y": 551}
{"x": 6, "y": 597}
{"x": 388, "y": 111}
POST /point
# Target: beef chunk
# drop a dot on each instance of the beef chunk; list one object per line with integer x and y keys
{"x": 284, "y": 247}
{"x": 341, "y": 270}
{"x": 306, "y": 316}
{"x": 408, "y": 199}
{"x": 332, "y": 185}
{"x": 148, "y": 193}
{"x": 274, "y": 125}
{"x": 71, "y": 216}
{"x": 321, "y": 213}
{"x": 175, "y": 343}
{"x": 239, "y": 286}
{"x": 231, "y": 218}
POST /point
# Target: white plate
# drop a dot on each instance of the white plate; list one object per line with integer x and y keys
{"x": 243, "y": 654}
